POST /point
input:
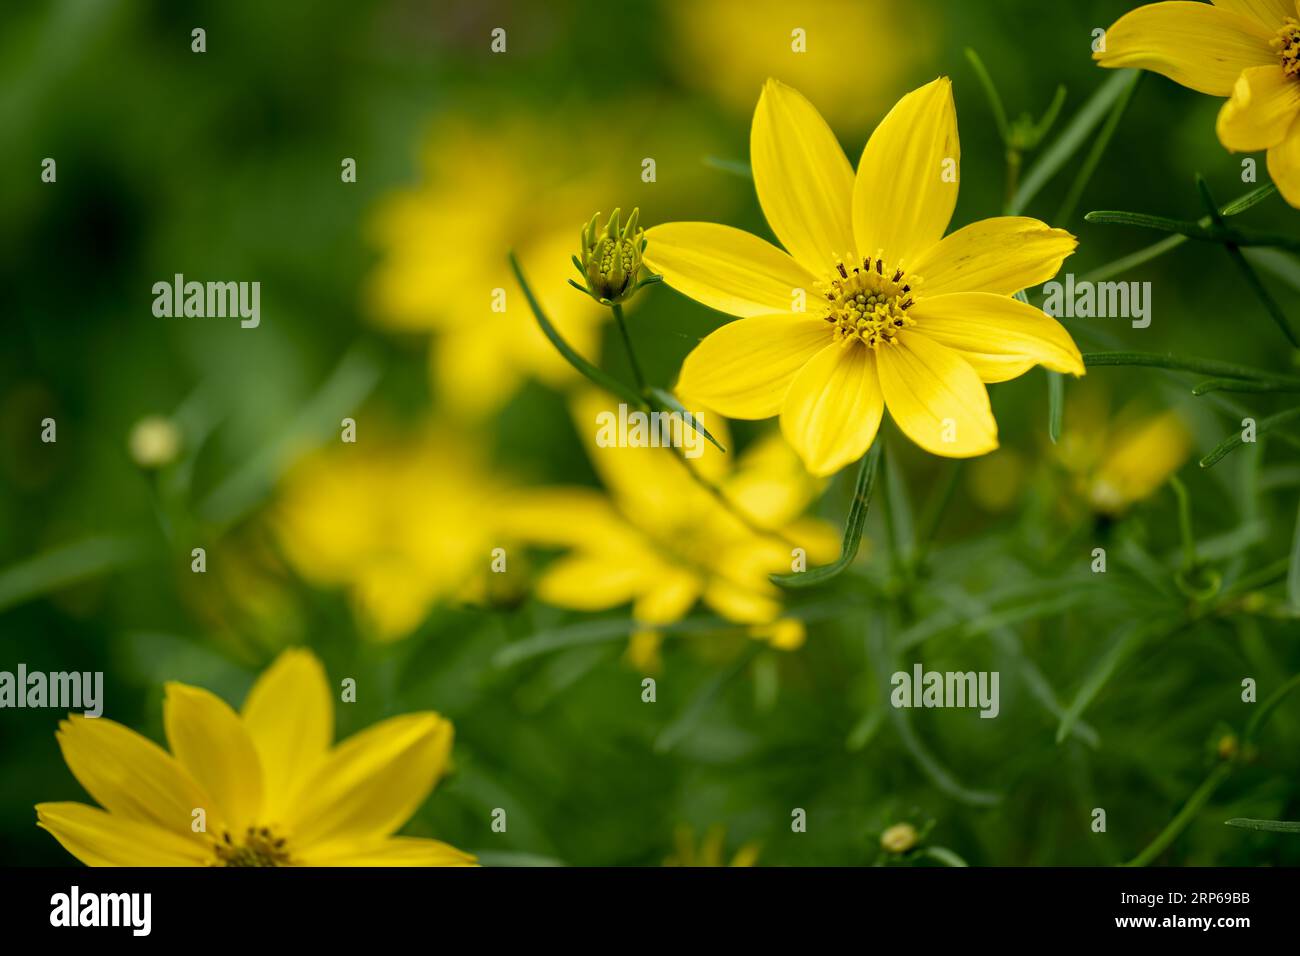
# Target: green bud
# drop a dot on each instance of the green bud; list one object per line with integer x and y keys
{"x": 611, "y": 256}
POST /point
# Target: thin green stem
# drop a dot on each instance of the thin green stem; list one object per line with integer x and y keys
{"x": 1232, "y": 442}
{"x": 617, "y": 309}
{"x": 1071, "y": 202}
{"x": 1187, "y": 364}
{"x": 1184, "y": 817}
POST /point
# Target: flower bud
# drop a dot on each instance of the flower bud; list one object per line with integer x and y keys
{"x": 611, "y": 257}
{"x": 154, "y": 442}
{"x": 899, "y": 838}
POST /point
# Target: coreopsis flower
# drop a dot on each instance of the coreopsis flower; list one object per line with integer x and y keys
{"x": 663, "y": 543}
{"x": 260, "y": 787}
{"x": 870, "y": 306}
{"x": 1115, "y": 461}
{"x": 400, "y": 523}
{"x": 808, "y": 43}
{"x": 611, "y": 257}
{"x": 487, "y": 189}
{"x": 1246, "y": 50}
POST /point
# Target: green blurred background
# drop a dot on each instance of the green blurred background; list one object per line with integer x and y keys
{"x": 226, "y": 165}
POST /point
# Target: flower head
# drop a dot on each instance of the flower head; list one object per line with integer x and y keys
{"x": 261, "y": 787}
{"x": 1246, "y": 50}
{"x": 660, "y": 541}
{"x": 154, "y": 442}
{"x": 611, "y": 257}
{"x": 870, "y": 306}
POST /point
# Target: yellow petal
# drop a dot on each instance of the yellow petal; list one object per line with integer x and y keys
{"x": 592, "y": 583}
{"x": 1138, "y": 461}
{"x": 1001, "y": 255}
{"x": 668, "y": 600}
{"x": 936, "y": 398}
{"x": 744, "y": 369}
{"x": 1201, "y": 47}
{"x": 131, "y": 776}
{"x": 97, "y": 838}
{"x": 833, "y": 408}
{"x": 289, "y": 714}
{"x": 803, "y": 179}
{"x": 372, "y": 782}
{"x": 743, "y": 603}
{"x": 1264, "y": 103}
{"x": 210, "y": 741}
{"x": 907, "y": 179}
{"x": 725, "y": 268}
{"x": 996, "y": 334}
{"x": 1270, "y": 13}
{"x": 389, "y": 851}
{"x": 1284, "y": 165}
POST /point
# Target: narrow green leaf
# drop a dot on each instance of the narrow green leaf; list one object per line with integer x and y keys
{"x": 600, "y": 377}
{"x": 1102, "y": 671}
{"x": 1072, "y": 138}
{"x": 734, "y": 166}
{"x": 1187, "y": 363}
{"x": 1270, "y": 826}
{"x": 64, "y": 566}
{"x": 1185, "y": 816}
{"x": 943, "y": 855}
{"x": 1071, "y": 202}
{"x": 662, "y": 400}
{"x": 852, "y": 527}
{"x": 1235, "y": 440}
{"x": 991, "y": 93}
{"x": 1293, "y": 573}
{"x": 1055, "y": 404}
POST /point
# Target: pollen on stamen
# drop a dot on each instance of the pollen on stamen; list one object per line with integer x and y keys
{"x": 870, "y": 305}
{"x": 1287, "y": 44}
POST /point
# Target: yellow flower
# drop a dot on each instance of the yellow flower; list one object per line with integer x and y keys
{"x": 871, "y": 306}
{"x": 807, "y": 44}
{"x": 663, "y": 543}
{"x": 1246, "y": 50}
{"x": 443, "y": 266}
{"x": 710, "y": 850}
{"x": 401, "y": 523}
{"x": 263, "y": 787}
{"x": 1117, "y": 462}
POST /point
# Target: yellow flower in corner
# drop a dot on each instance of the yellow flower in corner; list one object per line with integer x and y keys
{"x": 870, "y": 306}
{"x": 1246, "y": 50}
{"x": 265, "y": 783}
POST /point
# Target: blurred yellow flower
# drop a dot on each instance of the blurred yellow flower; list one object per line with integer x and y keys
{"x": 443, "y": 243}
{"x": 662, "y": 542}
{"x": 262, "y": 787}
{"x": 399, "y": 522}
{"x": 1246, "y": 50}
{"x": 911, "y": 320}
{"x": 709, "y": 851}
{"x": 1117, "y": 461}
{"x": 729, "y": 47}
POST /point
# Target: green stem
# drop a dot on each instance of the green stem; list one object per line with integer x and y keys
{"x": 617, "y": 309}
{"x": 1185, "y": 816}
{"x": 1187, "y": 364}
{"x": 1184, "y": 522}
{"x": 1071, "y": 203}
{"x": 1234, "y": 441}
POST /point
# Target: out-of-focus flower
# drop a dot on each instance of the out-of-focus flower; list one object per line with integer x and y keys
{"x": 399, "y": 522}
{"x": 1117, "y": 461}
{"x": 262, "y": 787}
{"x": 486, "y": 190}
{"x": 1246, "y": 50}
{"x": 849, "y": 53}
{"x": 154, "y": 442}
{"x": 995, "y": 481}
{"x": 709, "y": 851}
{"x": 871, "y": 306}
{"x": 662, "y": 542}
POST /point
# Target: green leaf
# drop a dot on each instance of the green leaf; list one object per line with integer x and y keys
{"x": 1071, "y": 202}
{"x": 736, "y": 167}
{"x": 1055, "y": 404}
{"x": 662, "y": 400}
{"x": 852, "y": 527}
{"x": 1270, "y": 826}
{"x": 1235, "y": 440}
{"x": 1076, "y": 133}
{"x": 62, "y": 567}
{"x": 1102, "y": 671}
{"x": 600, "y": 377}
{"x": 1187, "y": 363}
{"x": 1293, "y": 573}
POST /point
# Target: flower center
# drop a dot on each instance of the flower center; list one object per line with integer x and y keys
{"x": 869, "y": 302}
{"x": 1287, "y": 44}
{"x": 259, "y": 847}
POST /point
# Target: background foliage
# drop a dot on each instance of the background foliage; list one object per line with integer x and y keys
{"x": 226, "y": 165}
